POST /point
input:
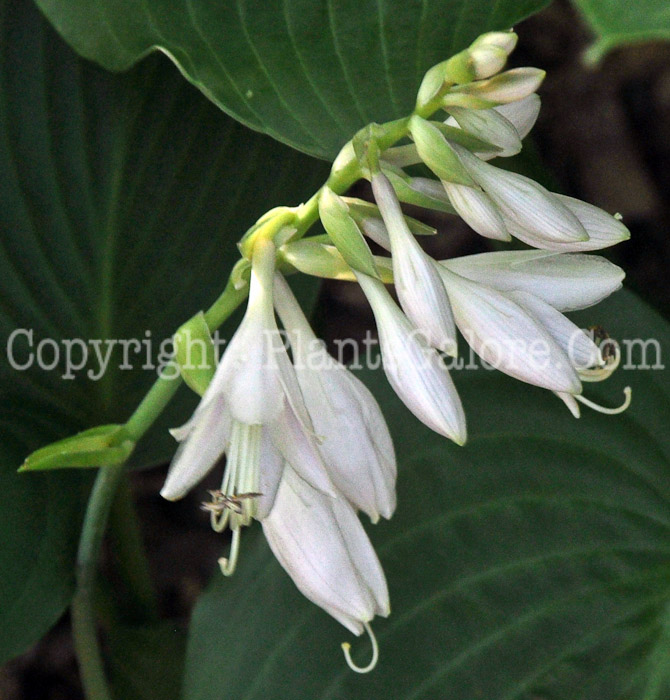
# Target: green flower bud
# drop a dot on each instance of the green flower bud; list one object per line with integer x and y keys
{"x": 437, "y": 154}
{"x": 344, "y": 232}
{"x": 319, "y": 259}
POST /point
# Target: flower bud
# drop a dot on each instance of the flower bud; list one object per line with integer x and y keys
{"x": 436, "y": 152}
{"x": 510, "y": 86}
{"x": 344, "y": 232}
{"x": 419, "y": 191}
{"x": 487, "y": 61}
{"x": 506, "y": 41}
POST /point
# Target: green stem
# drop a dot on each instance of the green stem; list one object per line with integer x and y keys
{"x": 84, "y": 629}
{"x": 129, "y": 558}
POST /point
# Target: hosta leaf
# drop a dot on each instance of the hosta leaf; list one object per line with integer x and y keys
{"x": 618, "y": 22}
{"x": 308, "y": 72}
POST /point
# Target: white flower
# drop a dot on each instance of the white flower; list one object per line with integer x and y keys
{"x": 509, "y": 310}
{"x": 414, "y": 369}
{"x": 503, "y": 334}
{"x": 254, "y": 412}
{"x": 354, "y": 440}
{"x": 566, "y": 281}
{"x": 521, "y": 113}
{"x": 489, "y": 125}
{"x": 528, "y": 209}
{"x": 420, "y": 291}
{"x": 477, "y": 209}
{"x": 325, "y": 550}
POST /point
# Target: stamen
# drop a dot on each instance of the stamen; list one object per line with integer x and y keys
{"x": 219, "y": 520}
{"x": 598, "y": 374}
{"x": 628, "y": 392}
{"x": 228, "y": 565}
{"x": 346, "y": 647}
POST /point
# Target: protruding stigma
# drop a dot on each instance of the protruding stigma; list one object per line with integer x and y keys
{"x": 628, "y": 393}
{"x": 346, "y": 648}
{"x": 228, "y": 565}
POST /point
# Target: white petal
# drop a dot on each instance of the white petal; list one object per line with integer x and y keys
{"x": 477, "y": 210}
{"x": 375, "y": 229}
{"x": 299, "y": 448}
{"x": 522, "y": 114}
{"x": 271, "y": 466}
{"x": 489, "y": 125}
{"x": 604, "y": 229}
{"x": 507, "y": 337}
{"x": 581, "y": 350}
{"x": 208, "y": 433}
{"x": 414, "y": 370}
{"x": 354, "y": 441}
{"x": 566, "y": 281}
{"x": 324, "y": 549}
{"x": 249, "y": 373}
{"x": 524, "y": 202}
{"x": 420, "y": 291}
{"x": 570, "y": 401}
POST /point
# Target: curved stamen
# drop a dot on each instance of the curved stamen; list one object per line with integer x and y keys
{"x": 228, "y": 565}
{"x": 628, "y": 393}
{"x": 346, "y": 647}
{"x": 598, "y": 374}
{"x": 219, "y": 520}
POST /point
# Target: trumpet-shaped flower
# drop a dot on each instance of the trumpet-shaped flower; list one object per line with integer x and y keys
{"x": 323, "y": 547}
{"x": 420, "y": 291}
{"x": 503, "y": 334}
{"x": 354, "y": 440}
{"x": 510, "y": 311}
{"x": 414, "y": 369}
{"x": 254, "y": 412}
{"x": 525, "y": 205}
{"x": 566, "y": 281}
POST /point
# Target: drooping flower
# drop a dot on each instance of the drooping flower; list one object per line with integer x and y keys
{"x": 353, "y": 437}
{"x": 510, "y": 312}
{"x": 323, "y": 547}
{"x": 254, "y": 412}
{"x": 417, "y": 283}
{"x": 503, "y": 334}
{"x": 414, "y": 369}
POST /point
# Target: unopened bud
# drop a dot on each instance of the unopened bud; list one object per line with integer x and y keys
{"x": 419, "y": 191}
{"x": 344, "y": 232}
{"x": 487, "y": 61}
{"x": 436, "y": 152}
{"x": 510, "y": 86}
{"x": 502, "y": 40}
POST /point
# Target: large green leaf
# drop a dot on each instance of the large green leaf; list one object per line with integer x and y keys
{"x": 617, "y": 22}
{"x": 308, "y": 72}
{"x": 533, "y": 563}
{"x": 121, "y": 198}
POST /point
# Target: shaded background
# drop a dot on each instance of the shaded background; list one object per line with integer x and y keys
{"x": 603, "y": 135}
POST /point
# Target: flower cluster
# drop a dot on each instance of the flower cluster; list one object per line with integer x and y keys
{"x": 306, "y": 444}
